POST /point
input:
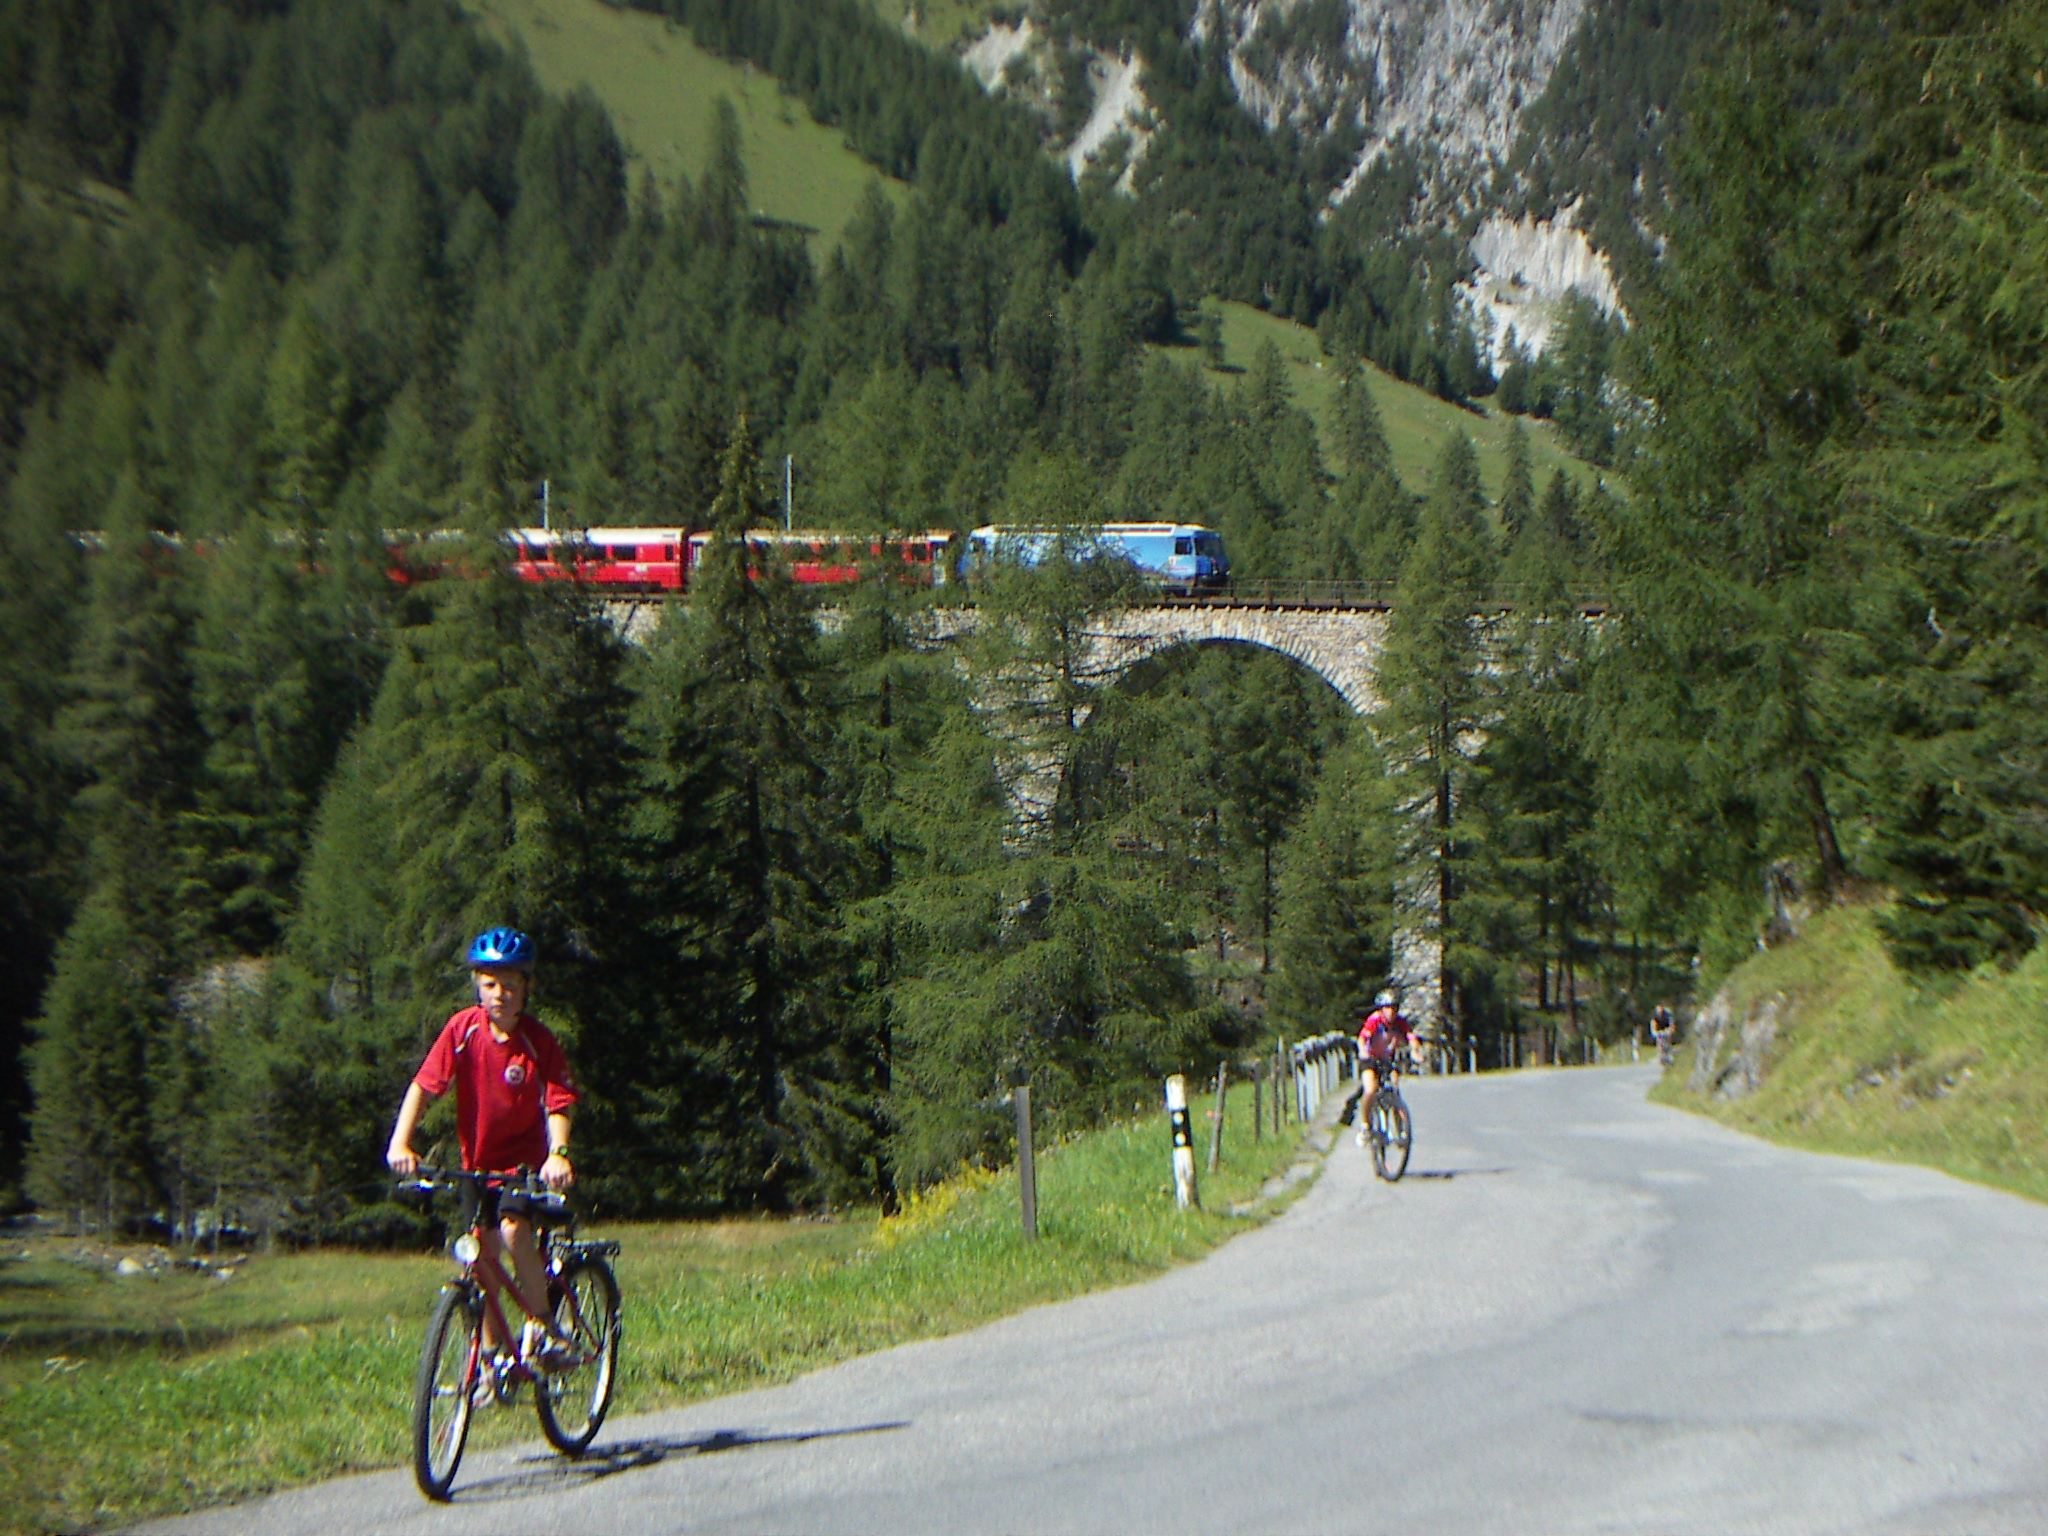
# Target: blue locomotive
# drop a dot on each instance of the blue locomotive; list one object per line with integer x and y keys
{"x": 1182, "y": 558}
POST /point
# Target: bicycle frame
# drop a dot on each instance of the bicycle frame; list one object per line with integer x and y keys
{"x": 488, "y": 1276}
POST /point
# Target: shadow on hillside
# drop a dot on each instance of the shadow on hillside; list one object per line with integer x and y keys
{"x": 543, "y": 1473}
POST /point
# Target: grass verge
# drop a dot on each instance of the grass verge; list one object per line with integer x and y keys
{"x": 1867, "y": 1061}
{"x": 124, "y": 1398}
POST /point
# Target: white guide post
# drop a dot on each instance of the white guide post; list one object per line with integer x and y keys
{"x": 1184, "y": 1192}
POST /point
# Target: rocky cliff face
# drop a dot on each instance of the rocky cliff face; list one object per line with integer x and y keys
{"x": 1115, "y": 121}
{"x": 1450, "y": 78}
{"x": 1446, "y": 83}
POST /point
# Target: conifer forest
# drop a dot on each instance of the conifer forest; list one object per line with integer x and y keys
{"x": 278, "y": 277}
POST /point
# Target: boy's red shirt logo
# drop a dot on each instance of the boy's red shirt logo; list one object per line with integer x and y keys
{"x": 515, "y": 1072}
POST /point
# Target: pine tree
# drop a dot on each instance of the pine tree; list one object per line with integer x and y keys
{"x": 487, "y": 787}
{"x": 1518, "y": 490}
{"x": 1436, "y": 709}
{"x": 112, "y": 1066}
{"x": 1534, "y": 892}
{"x": 1953, "y": 671}
{"x": 283, "y": 669}
{"x": 1360, "y": 433}
{"x": 1336, "y": 912}
{"x": 1031, "y": 945}
{"x": 1725, "y": 553}
{"x": 750, "y": 829}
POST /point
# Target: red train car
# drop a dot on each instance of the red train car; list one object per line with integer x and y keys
{"x": 657, "y": 560}
{"x": 814, "y": 557}
{"x": 624, "y": 559}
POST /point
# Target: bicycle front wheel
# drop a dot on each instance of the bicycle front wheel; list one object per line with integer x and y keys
{"x": 1391, "y": 1135}
{"x": 572, "y": 1402}
{"x": 450, "y": 1358}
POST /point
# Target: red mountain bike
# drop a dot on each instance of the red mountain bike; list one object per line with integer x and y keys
{"x": 458, "y": 1374}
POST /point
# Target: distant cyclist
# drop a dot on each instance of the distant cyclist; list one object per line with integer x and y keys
{"x": 1663, "y": 1030}
{"x": 1381, "y": 1038}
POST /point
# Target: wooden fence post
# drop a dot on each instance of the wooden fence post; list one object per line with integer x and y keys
{"x": 1027, "y": 1165}
{"x": 1258, "y": 1099}
{"x": 1216, "y": 1126}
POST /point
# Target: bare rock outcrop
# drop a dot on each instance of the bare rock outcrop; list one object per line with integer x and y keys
{"x": 1733, "y": 1049}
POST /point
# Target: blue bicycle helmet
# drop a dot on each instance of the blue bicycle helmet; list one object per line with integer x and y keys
{"x": 506, "y": 947}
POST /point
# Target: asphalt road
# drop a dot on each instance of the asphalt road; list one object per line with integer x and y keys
{"x": 1579, "y": 1312}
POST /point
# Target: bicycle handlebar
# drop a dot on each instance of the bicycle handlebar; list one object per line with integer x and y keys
{"x": 425, "y": 1180}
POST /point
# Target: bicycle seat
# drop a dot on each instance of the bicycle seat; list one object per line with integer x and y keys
{"x": 542, "y": 1209}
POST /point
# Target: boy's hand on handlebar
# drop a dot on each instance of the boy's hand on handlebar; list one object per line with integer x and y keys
{"x": 401, "y": 1160}
{"x": 557, "y": 1173}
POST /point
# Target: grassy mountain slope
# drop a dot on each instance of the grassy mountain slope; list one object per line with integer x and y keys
{"x": 661, "y": 90}
{"x": 1866, "y": 1061}
{"x": 938, "y": 23}
{"x": 1417, "y": 422}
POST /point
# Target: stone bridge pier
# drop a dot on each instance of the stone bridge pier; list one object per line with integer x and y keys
{"x": 1339, "y": 643}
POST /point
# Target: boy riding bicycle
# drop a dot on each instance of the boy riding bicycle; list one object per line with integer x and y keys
{"x": 513, "y": 1098}
{"x": 1382, "y": 1037}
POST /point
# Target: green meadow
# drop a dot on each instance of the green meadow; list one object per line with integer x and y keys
{"x": 127, "y": 1397}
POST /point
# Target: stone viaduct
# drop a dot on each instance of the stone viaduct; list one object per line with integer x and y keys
{"x": 1338, "y": 641}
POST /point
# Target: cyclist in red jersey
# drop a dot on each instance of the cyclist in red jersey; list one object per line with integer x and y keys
{"x": 1383, "y": 1036}
{"x": 513, "y": 1098}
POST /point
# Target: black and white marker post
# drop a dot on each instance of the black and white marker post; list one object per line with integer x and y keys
{"x": 1184, "y": 1192}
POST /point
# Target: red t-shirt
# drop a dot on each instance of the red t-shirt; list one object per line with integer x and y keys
{"x": 504, "y": 1089}
{"x": 1382, "y": 1032}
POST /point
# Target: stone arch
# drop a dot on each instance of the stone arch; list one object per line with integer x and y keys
{"x": 1340, "y": 646}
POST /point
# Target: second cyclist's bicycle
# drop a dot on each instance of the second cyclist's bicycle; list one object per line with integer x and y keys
{"x": 572, "y": 1380}
{"x": 1388, "y": 1128}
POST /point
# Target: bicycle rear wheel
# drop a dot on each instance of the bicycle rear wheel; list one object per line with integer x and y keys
{"x": 450, "y": 1357}
{"x": 572, "y": 1403}
{"x": 1392, "y": 1134}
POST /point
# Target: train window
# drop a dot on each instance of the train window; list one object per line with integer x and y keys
{"x": 1210, "y": 545}
{"x": 1183, "y": 546}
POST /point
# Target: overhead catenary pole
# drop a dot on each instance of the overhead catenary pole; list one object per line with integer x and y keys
{"x": 788, "y": 491}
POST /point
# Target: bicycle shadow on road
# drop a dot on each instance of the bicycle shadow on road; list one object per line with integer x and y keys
{"x": 1445, "y": 1175}
{"x": 543, "y": 1473}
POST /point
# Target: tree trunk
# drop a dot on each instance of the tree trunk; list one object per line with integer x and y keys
{"x": 1834, "y": 870}
{"x": 1266, "y": 914}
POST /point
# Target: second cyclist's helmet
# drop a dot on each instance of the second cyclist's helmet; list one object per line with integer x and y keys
{"x": 506, "y": 947}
